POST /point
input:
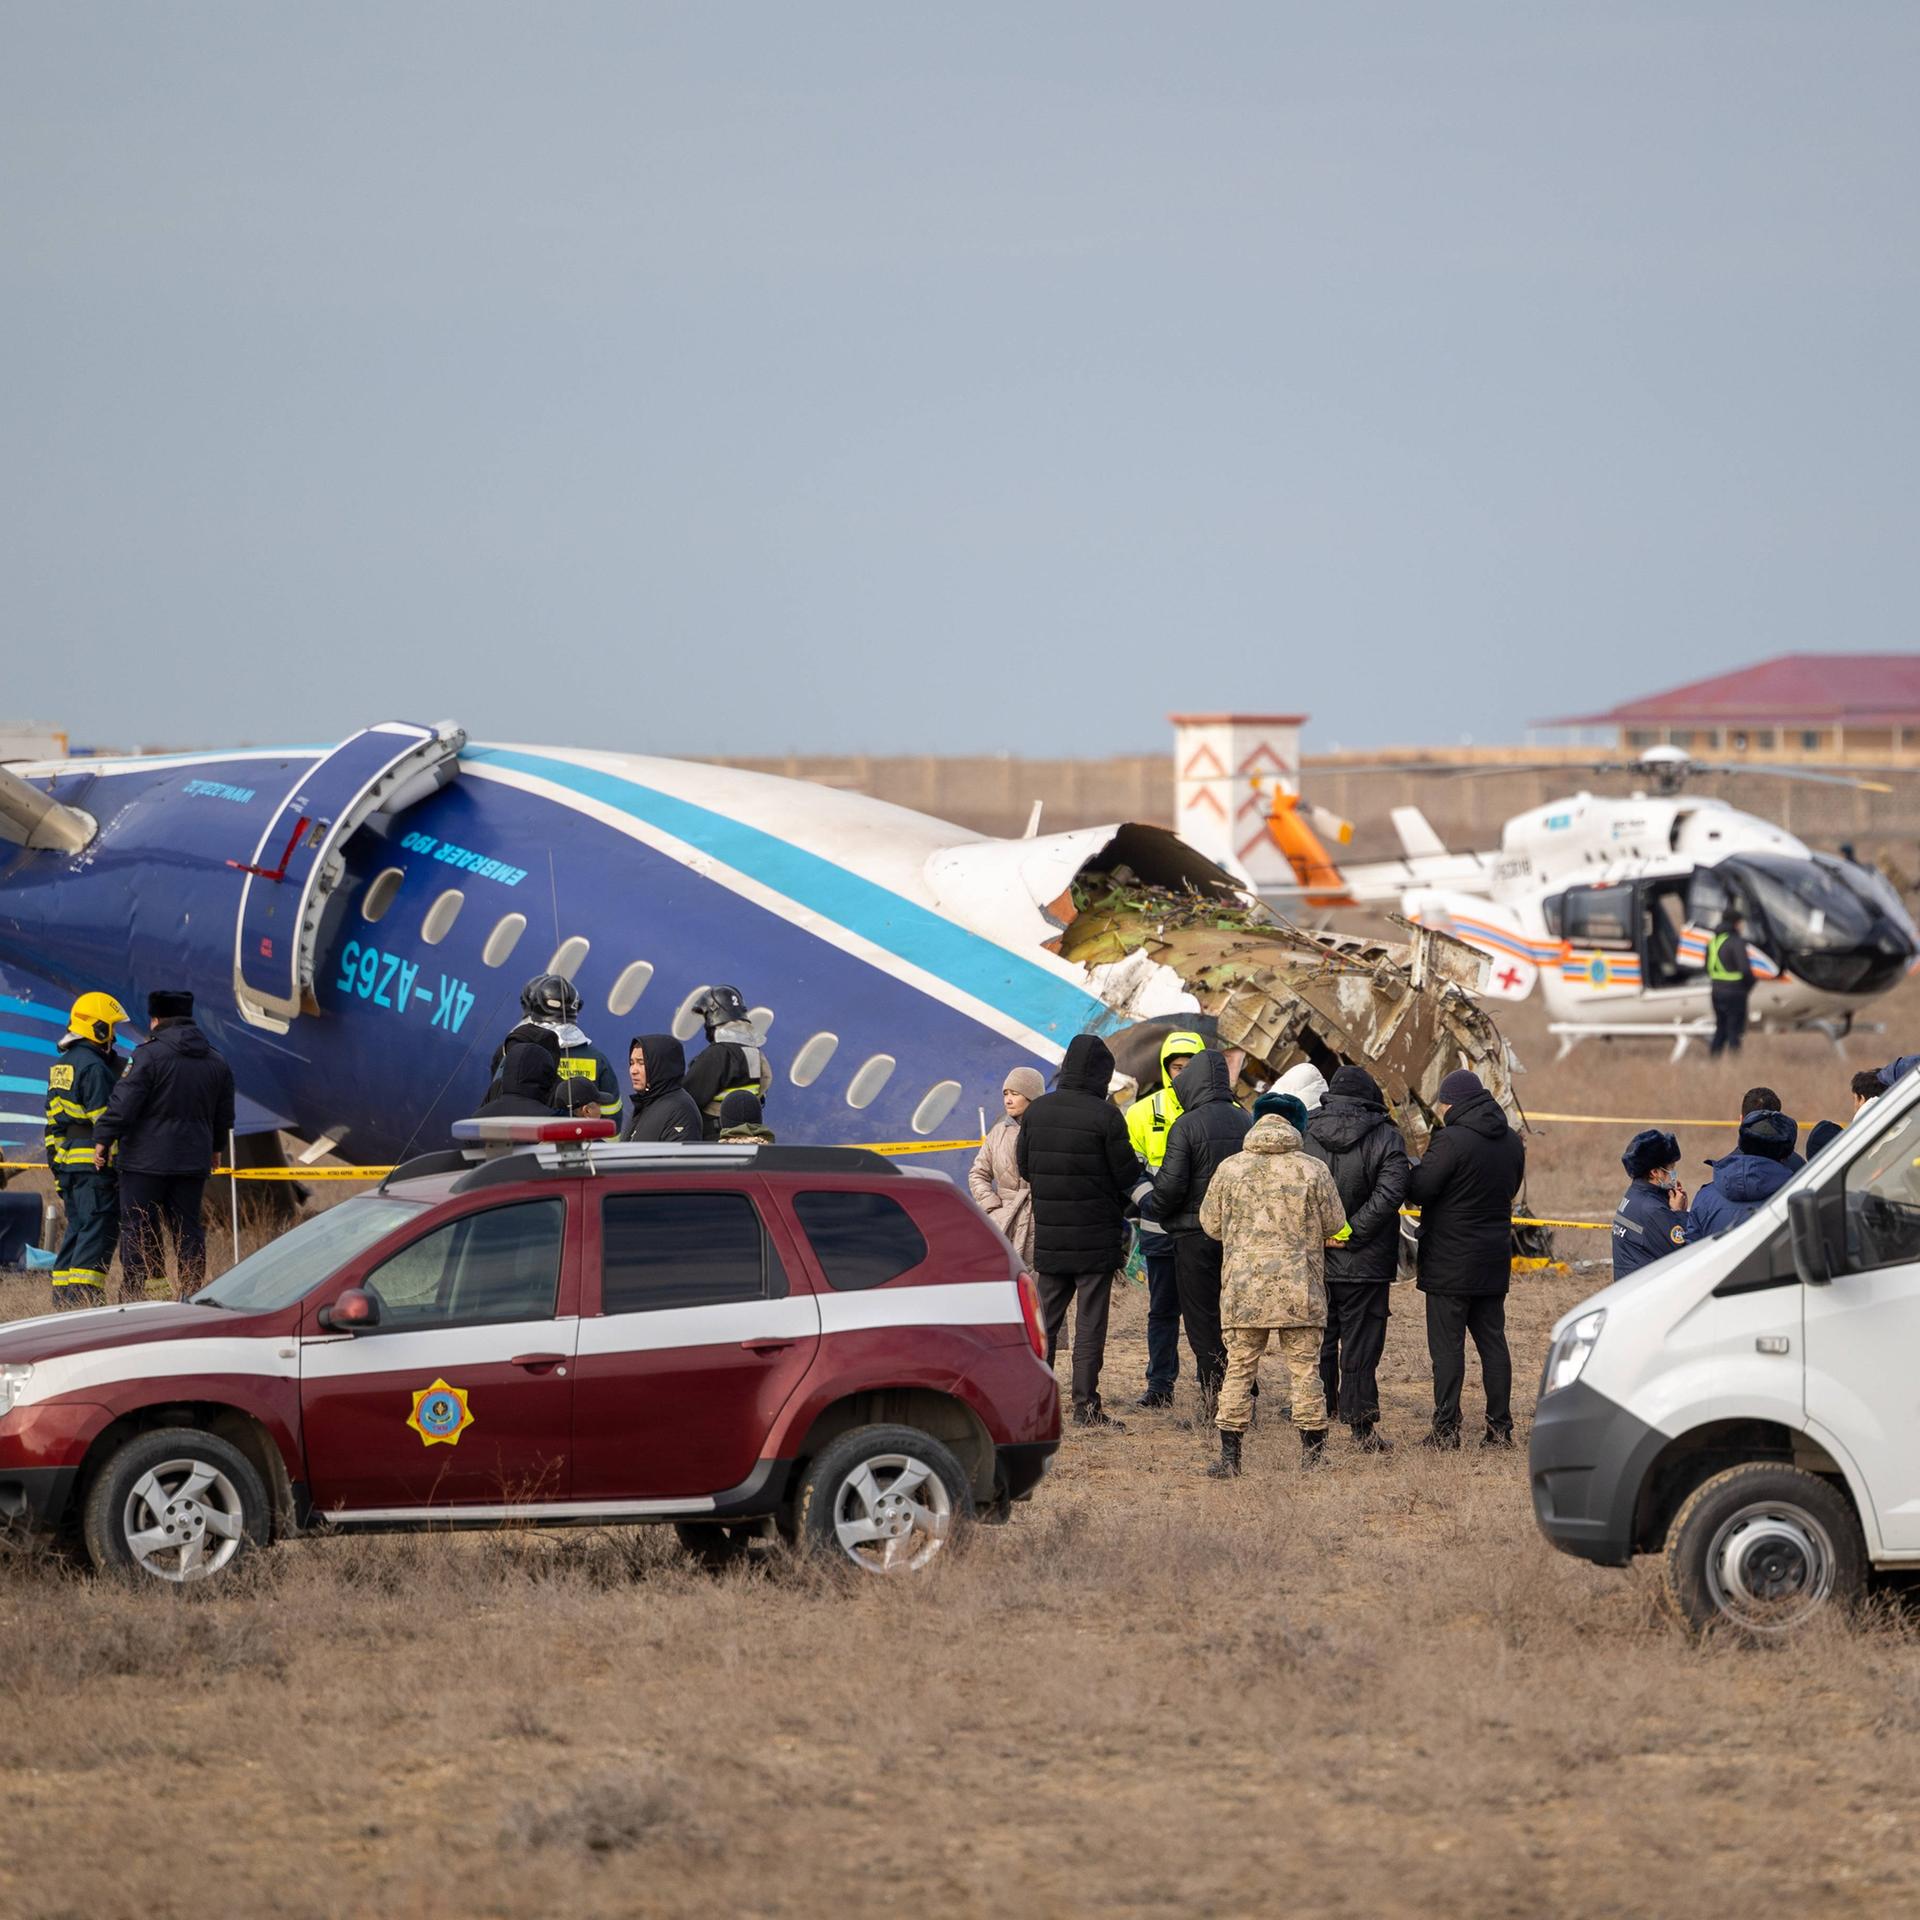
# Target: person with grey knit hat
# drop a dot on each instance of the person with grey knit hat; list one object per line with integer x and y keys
{"x": 994, "y": 1178}
{"x": 1465, "y": 1189}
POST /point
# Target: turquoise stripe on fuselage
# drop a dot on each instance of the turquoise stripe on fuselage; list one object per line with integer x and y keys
{"x": 973, "y": 964}
{"x": 27, "y": 1043}
{"x": 12, "y": 1083}
{"x": 31, "y": 1010}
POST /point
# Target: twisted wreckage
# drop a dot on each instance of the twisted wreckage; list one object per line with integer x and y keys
{"x": 1282, "y": 995}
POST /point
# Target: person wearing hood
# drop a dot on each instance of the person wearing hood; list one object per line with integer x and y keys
{"x": 587, "y": 1085}
{"x": 1465, "y": 1189}
{"x": 663, "y": 1110}
{"x": 1274, "y": 1211}
{"x": 994, "y": 1178}
{"x": 1208, "y": 1133}
{"x": 1306, "y": 1083}
{"x": 167, "y": 1125}
{"x": 1652, "y": 1217}
{"x": 1352, "y": 1132}
{"x": 742, "y": 1121}
{"x": 79, "y": 1085}
{"x": 1762, "y": 1162}
{"x": 1765, "y": 1100}
{"x": 527, "y": 1078}
{"x": 1149, "y": 1121}
{"x": 732, "y": 1061}
{"x": 1074, "y": 1154}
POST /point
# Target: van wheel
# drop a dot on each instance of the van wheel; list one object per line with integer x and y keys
{"x": 1762, "y": 1549}
{"x": 890, "y": 1500}
{"x": 178, "y": 1504}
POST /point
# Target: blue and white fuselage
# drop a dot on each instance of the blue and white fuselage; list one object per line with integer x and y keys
{"x": 899, "y": 962}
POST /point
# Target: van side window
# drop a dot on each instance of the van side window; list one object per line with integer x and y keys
{"x": 860, "y": 1239}
{"x": 1883, "y": 1201}
{"x": 663, "y": 1250}
{"x": 503, "y": 1264}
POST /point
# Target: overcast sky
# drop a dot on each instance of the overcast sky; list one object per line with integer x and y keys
{"x": 901, "y": 378}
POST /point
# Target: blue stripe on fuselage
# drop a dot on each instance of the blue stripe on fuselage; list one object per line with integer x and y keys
{"x": 27, "y": 1043}
{"x": 975, "y": 965}
{"x": 30, "y": 1010}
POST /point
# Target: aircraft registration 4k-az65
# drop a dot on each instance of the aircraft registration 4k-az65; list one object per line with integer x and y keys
{"x": 356, "y": 921}
{"x": 1609, "y": 903}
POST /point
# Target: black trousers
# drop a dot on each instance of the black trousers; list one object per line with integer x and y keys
{"x": 1350, "y": 1349}
{"x": 1094, "y": 1294}
{"x": 1729, "y": 1018}
{"x": 1450, "y": 1318}
{"x": 1196, "y": 1272}
{"x": 1163, "y": 1315}
{"x": 150, "y": 1202}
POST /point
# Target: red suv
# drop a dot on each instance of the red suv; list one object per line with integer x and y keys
{"x": 733, "y": 1340}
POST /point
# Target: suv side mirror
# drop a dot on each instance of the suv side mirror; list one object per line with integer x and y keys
{"x": 354, "y": 1312}
{"x": 1808, "y": 1239}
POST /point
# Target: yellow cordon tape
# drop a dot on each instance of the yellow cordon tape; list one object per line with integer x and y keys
{"x": 1616, "y": 1120}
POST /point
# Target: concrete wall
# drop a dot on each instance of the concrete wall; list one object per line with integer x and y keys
{"x": 995, "y": 794}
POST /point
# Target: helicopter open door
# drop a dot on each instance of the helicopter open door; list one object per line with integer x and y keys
{"x": 298, "y": 863}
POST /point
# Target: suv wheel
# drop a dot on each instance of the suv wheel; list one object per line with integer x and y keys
{"x": 890, "y": 1500}
{"x": 177, "y": 1503}
{"x": 1763, "y": 1548}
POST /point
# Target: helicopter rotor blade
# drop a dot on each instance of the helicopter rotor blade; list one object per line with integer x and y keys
{"x": 1796, "y": 773}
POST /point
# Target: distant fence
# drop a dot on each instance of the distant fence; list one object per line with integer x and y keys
{"x": 993, "y": 794}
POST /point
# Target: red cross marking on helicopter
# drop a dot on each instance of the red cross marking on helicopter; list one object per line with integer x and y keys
{"x": 1509, "y": 979}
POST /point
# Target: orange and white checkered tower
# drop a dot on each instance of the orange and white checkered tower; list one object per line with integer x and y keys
{"x": 1217, "y": 807}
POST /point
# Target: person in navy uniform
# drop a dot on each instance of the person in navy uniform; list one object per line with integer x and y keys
{"x": 1652, "y": 1219}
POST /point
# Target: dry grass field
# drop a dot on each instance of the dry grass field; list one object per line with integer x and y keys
{"x": 1369, "y": 1691}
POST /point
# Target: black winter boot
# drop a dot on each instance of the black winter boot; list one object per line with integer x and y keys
{"x": 1367, "y": 1438}
{"x": 1227, "y": 1467}
{"x": 1313, "y": 1446}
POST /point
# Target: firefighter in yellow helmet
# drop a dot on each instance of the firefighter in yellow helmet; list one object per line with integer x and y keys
{"x": 79, "y": 1084}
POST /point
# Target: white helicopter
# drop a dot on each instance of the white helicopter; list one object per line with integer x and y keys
{"x": 1608, "y": 903}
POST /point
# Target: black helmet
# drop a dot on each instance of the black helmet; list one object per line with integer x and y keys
{"x": 720, "y": 1007}
{"x": 550, "y": 996}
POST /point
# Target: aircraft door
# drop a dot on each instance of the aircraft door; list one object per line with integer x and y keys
{"x": 298, "y": 862}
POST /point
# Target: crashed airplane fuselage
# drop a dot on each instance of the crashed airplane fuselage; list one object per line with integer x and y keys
{"x": 356, "y": 924}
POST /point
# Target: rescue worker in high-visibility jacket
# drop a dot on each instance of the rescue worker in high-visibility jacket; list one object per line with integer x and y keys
{"x": 1730, "y": 983}
{"x": 732, "y": 1061}
{"x": 588, "y": 1086}
{"x": 1652, "y": 1218}
{"x": 1148, "y": 1122}
{"x": 79, "y": 1085}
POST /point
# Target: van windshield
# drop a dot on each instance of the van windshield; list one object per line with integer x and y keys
{"x": 286, "y": 1269}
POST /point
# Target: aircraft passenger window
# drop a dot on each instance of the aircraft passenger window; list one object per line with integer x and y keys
{"x": 503, "y": 939}
{"x": 1598, "y": 916}
{"x": 1883, "y": 1201}
{"x": 567, "y": 957}
{"x": 939, "y": 1102}
{"x": 811, "y": 1061}
{"x": 441, "y": 916}
{"x": 381, "y": 894}
{"x": 487, "y": 1267}
{"x": 865, "y": 1087}
{"x": 762, "y": 1018}
{"x": 860, "y": 1239}
{"x": 629, "y": 987}
{"x": 663, "y": 1250}
{"x": 1550, "y": 910}
{"x": 686, "y": 1023}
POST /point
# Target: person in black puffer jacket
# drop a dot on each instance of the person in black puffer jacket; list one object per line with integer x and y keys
{"x": 172, "y": 1114}
{"x": 1075, "y": 1156}
{"x": 663, "y": 1109}
{"x": 1351, "y": 1132}
{"x": 1209, "y": 1132}
{"x": 1465, "y": 1190}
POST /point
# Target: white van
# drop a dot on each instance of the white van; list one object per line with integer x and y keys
{"x": 1749, "y": 1406}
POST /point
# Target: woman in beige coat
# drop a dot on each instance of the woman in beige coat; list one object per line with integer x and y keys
{"x": 994, "y": 1179}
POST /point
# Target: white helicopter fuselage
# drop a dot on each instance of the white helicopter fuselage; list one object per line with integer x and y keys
{"x": 1608, "y": 904}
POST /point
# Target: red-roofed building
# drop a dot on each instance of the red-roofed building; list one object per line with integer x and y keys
{"x": 1802, "y": 706}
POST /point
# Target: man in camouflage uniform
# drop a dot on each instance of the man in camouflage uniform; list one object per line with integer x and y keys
{"x": 1274, "y": 1210}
